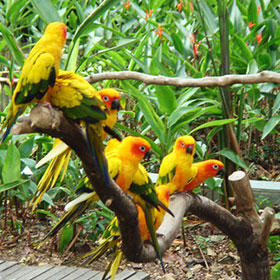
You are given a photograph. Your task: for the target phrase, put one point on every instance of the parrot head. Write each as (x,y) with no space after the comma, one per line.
(135,147)
(214,167)
(111,98)
(57,28)
(185,144)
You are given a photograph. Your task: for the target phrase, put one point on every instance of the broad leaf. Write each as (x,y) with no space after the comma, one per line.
(12,185)
(11,167)
(231,155)
(14,49)
(166,98)
(46,10)
(213,123)
(270,125)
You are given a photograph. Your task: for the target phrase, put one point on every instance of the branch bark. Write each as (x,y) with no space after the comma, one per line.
(262,77)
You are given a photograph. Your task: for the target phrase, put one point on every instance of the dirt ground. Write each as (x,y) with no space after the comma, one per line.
(207,254)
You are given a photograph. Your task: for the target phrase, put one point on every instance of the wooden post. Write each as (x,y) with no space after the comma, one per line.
(252,249)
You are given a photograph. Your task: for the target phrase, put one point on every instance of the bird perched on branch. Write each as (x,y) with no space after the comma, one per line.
(176,168)
(122,166)
(38,73)
(205,170)
(111,238)
(60,153)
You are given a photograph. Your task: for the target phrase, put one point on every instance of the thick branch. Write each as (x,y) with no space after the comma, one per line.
(263,77)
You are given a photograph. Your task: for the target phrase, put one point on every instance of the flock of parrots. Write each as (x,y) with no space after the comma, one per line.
(41,81)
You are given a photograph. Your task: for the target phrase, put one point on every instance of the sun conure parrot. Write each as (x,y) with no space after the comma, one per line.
(130,152)
(38,73)
(79,101)
(176,168)
(205,170)
(60,153)
(111,238)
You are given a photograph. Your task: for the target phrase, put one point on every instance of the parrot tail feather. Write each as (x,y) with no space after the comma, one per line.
(10,121)
(96,149)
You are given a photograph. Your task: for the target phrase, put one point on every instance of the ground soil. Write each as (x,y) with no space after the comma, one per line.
(206,254)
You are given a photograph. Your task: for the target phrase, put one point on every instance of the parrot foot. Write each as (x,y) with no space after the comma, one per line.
(48,105)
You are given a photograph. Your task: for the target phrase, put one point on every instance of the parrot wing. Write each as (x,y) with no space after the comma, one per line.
(37,76)
(143,190)
(167,169)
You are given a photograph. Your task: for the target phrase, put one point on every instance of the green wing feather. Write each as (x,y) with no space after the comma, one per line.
(143,187)
(150,224)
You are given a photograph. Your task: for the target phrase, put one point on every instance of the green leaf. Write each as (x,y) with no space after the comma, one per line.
(270,125)
(179,113)
(211,20)
(26,147)
(275,272)
(252,67)
(177,41)
(14,10)
(11,185)
(66,237)
(4,61)
(231,155)
(151,116)
(88,25)
(15,50)
(48,213)
(213,123)
(253,12)
(246,53)
(11,167)
(46,10)
(276,105)
(166,98)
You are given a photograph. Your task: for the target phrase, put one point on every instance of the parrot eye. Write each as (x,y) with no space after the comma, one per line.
(215,166)
(105,98)
(183,144)
(142,149)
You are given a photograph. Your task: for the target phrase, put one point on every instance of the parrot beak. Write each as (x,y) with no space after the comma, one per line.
(148,155)
(189,149)
(115,104)
(221,172)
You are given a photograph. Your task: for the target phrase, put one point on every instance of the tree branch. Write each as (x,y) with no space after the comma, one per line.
(263,77)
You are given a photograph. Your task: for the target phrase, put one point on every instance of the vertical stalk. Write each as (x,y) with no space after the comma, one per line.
(240,115)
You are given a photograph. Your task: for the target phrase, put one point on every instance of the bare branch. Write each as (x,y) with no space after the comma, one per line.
(263,77)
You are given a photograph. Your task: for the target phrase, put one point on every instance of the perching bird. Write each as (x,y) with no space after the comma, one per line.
(111,238)
(122,166)
(176,168)
(205,170)
(124,161)
(142,188)
(38,73)
(60,153)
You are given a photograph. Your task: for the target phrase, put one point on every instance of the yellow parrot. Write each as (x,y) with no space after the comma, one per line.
(176,168)
(60,153)
(38,73)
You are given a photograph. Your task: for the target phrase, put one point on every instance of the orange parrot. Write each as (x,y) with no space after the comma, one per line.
(38,73)
(205,170)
